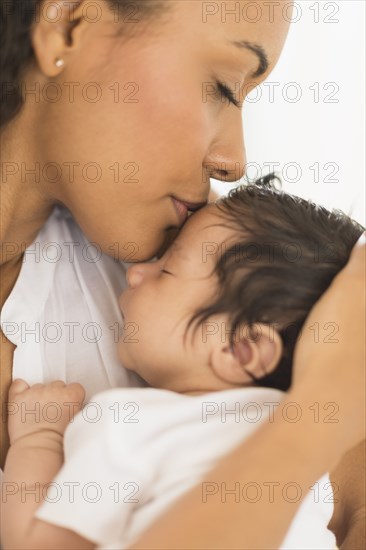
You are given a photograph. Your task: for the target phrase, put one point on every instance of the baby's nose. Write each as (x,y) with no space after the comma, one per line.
(135,275)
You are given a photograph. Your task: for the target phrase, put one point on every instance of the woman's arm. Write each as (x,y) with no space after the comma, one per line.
(278,454)
(284,452)
(349,519)
(6,354)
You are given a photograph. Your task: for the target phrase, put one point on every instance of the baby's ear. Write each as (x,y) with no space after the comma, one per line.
(254,354)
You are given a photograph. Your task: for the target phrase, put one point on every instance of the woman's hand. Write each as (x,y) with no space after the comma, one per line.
(334,363)
(41,407)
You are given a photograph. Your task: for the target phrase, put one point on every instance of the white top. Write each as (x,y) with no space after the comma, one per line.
(132,452)
(62,313)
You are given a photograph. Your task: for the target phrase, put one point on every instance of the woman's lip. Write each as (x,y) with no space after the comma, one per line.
(181,209)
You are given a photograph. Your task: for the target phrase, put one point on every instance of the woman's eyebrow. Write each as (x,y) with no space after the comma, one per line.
(258,51)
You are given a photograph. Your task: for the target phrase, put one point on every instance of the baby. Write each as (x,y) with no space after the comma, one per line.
(211,326)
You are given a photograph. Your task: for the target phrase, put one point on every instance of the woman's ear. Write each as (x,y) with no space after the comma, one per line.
(254,354)
(57,33)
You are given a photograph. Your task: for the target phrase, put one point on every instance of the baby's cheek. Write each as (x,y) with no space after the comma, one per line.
(140,319)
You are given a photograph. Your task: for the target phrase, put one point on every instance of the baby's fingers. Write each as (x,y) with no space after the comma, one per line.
(17,387)
(77,391)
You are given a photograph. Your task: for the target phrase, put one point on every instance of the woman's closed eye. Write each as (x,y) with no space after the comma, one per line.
(166,272)
(228,94)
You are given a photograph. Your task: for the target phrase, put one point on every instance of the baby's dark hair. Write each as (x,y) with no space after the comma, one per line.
(287,253)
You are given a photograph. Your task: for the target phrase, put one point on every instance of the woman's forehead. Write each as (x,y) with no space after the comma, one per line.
(223,24)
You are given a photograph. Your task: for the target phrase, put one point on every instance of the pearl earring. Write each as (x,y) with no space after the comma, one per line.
(59,62)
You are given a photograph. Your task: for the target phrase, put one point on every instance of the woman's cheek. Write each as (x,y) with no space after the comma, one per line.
(171,102)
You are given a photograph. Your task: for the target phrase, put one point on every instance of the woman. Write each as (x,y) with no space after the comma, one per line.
(130,108)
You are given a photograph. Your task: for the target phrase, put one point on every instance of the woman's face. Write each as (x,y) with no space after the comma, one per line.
(160,127)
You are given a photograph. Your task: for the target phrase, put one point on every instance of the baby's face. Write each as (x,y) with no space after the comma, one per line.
(162,297)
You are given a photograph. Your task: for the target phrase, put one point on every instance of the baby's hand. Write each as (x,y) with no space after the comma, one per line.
(42,407)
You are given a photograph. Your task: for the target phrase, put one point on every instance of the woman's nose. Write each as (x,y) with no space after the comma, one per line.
(226,158)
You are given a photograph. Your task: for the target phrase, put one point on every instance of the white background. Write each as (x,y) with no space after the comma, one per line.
(325,47)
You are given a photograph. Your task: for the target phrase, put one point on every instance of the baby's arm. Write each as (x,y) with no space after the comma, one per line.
(34,458)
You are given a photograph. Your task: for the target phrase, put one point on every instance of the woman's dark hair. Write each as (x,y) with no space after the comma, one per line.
(284,254)
(17,18)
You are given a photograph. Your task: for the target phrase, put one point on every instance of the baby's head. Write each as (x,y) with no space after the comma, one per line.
(225,304)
